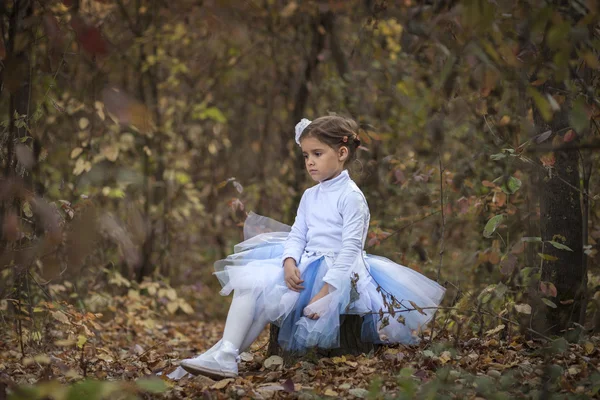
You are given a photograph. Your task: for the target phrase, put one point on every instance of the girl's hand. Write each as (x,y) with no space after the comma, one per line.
(322,293)
(291,275)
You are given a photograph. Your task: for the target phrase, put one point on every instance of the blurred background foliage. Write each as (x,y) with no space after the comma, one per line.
(136,135)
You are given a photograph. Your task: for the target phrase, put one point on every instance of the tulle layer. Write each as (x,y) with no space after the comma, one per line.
(255,269)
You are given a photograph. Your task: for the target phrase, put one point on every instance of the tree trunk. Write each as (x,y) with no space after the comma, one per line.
(561,221)
(350,341)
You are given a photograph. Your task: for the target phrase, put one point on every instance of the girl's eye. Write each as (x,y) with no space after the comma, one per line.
(305,157)
(318,154)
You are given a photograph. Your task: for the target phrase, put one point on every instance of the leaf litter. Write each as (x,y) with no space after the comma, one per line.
(138,341)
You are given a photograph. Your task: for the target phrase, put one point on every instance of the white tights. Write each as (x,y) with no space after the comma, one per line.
(243,324)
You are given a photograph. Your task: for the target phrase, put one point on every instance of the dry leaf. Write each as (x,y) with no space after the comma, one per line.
(222,383)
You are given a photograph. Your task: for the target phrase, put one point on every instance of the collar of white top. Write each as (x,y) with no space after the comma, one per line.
(335,183)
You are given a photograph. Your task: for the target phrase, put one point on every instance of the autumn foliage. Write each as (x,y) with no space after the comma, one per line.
(136,136)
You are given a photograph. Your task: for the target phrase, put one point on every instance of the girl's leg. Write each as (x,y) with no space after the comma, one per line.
(240,318)
(221,360)
(255,329)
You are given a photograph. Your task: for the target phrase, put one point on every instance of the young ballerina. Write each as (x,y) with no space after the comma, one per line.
(302,278)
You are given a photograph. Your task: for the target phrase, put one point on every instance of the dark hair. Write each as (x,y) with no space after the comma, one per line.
(335,131)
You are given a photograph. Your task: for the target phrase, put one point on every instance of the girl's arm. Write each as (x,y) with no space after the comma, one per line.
(296,240)
(355,213)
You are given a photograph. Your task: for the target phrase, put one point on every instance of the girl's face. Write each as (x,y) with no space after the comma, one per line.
(322,161)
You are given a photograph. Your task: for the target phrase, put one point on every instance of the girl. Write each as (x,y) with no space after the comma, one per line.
(303,278)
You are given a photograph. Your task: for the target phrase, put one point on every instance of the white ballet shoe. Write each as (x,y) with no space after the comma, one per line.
(222,363)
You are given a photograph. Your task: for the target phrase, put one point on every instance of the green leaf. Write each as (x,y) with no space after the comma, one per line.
(511,186)
(213,113)
(541,103)
(579,117)
(559,245)
(548,302)
(498,156)
(532,239)
(88,389)
(559,345)
(492,225)
(152,385)
(547,257)
(500,290)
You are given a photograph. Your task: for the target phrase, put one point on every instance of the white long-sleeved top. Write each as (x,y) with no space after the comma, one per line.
(332,221)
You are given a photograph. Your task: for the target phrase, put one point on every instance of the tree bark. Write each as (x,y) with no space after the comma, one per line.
(561,221)
(350,341)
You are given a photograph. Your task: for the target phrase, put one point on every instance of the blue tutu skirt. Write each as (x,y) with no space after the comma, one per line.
(255,269)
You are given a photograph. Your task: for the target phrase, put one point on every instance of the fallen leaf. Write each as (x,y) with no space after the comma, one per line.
(222,383)
(495,330)
(60,317)
(288,386)
(273,362)
(359,392)
(523,308)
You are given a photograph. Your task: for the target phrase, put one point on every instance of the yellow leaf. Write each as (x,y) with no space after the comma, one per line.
(60,317)
(185,307)
(64,342)
(27,361)
(331,393)
(339,360)
(172,307)
(221,384)
(81,340)
(495,330)
(523,308)
(83,123)
(100,110)
(150,323)
(171,294)
(42,359)
(588,347)
(105,357)
(76,152)
(445,357)
(110,152)
(82,166)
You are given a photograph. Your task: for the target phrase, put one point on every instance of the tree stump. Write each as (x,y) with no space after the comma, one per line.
(350,342)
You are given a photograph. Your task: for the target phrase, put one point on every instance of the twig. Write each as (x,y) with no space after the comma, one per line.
(595,144)
(406,226)
(150,348)
(491,314)
(441,236)
(536,165)
(443,218)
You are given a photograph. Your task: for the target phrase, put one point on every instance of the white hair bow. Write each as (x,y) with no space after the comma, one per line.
(300,126)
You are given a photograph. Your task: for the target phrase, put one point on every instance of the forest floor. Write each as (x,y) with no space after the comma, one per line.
(85,355)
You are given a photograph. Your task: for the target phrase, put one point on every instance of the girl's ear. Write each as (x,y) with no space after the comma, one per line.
(343,153)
